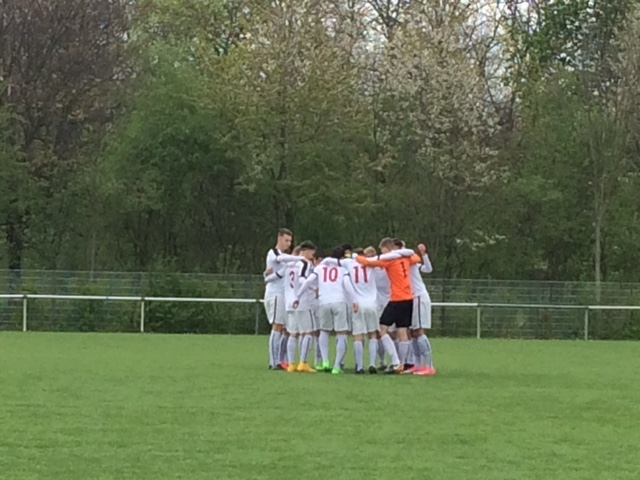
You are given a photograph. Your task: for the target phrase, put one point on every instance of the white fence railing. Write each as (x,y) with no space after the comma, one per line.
(257,302)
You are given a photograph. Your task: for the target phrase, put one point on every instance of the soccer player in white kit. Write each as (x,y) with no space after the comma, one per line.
(274,297)
(421,319)
(382,297)
(361,289)
(333,310)
(300,319)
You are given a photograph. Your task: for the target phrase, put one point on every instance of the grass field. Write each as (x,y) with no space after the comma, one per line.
(101,406)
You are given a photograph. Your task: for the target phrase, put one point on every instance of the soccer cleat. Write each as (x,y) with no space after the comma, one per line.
(373,370)
(279,367)
(284,365)
(410,370)
(394,370)
(425,371)
(291,368)
(336,371)
(318,367)
(305,368)
(382,368)
(360,372)
(326,367)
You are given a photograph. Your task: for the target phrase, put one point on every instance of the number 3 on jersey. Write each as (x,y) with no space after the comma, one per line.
(329,274)
(292,279)
(357,274)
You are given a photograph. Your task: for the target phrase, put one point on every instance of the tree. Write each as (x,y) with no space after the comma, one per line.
(570,48)
(434,121)
(58,61)
(302,114)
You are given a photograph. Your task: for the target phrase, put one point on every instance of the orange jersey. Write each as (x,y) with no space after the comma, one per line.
(398,273)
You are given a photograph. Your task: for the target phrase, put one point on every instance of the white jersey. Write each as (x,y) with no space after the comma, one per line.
(383,288)
(295,275)
(315,301)
(275,287)
(362,289)
(329,279)
(417,284)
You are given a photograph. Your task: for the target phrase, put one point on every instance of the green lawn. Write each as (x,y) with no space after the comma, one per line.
(102,406)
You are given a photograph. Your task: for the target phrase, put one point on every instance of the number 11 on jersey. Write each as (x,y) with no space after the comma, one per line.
(357,274)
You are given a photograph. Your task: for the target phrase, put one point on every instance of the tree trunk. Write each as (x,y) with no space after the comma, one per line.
(15,250)
(15,240)
(597,248)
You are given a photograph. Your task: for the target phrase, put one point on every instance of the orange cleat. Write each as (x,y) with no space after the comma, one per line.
(425,371)
(413,369)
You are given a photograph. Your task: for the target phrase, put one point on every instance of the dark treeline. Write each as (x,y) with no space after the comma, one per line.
(178,135)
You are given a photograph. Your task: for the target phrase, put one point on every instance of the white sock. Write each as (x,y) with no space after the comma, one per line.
(274,347)
(373,351)
(381,352)
(411,359)
(323,340)
(390,349)
(292,343)
(403,352)
(304,347)
(284,340)
(317,355)
(341,350)
(358,351)
(425,350)
(416,352)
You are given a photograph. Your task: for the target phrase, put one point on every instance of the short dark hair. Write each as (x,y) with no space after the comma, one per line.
(358,251)
(346,246)
(320,254)
(398,243)
(284,231)
(337,252)
(307,245)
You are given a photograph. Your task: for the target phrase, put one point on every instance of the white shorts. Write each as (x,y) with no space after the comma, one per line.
(365,320)
(335,316)
(299,321)
(276,313)
(380,309)
(421,312)
(290,320)
(315,315)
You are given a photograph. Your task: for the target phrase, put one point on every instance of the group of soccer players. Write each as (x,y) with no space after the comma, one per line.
(311,294)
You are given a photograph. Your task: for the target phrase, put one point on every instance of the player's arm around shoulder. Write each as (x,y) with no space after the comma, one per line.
(389,256)
(309,282)
(369,261)
(272,276)
(415,258)
(286,258)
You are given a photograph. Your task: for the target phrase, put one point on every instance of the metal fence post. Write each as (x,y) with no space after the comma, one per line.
(142,315)
(257,316)
(586,323)
(24,313)
(478,321)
